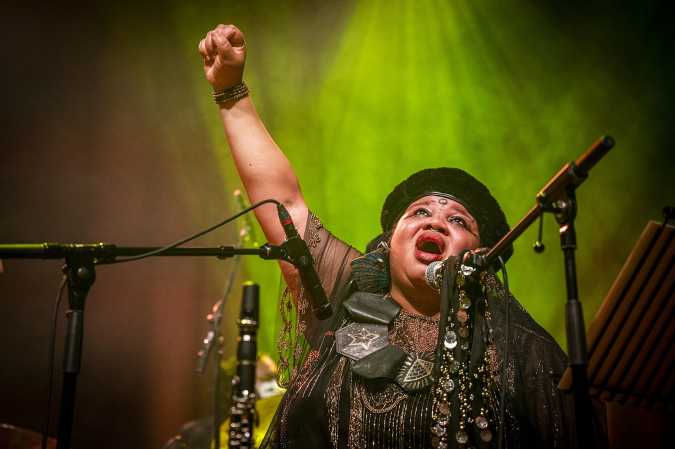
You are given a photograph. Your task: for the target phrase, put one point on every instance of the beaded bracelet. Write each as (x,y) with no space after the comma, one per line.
(234,93)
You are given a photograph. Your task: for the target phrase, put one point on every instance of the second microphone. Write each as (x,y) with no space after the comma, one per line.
(300,256)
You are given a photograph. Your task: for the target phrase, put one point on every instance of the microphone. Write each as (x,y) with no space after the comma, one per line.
(298,252)
(433,275)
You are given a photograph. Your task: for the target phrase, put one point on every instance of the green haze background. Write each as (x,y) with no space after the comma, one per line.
(363,94)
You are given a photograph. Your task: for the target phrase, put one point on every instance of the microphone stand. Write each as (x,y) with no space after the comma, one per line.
(214,337)
(80,261)
(559,197)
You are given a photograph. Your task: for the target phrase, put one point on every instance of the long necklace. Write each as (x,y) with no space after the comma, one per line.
(464,411)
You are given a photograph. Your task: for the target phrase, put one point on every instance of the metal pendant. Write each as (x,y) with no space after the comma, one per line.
(358,340)
(415,373)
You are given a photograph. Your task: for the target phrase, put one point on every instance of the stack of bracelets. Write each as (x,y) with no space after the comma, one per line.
(234,93)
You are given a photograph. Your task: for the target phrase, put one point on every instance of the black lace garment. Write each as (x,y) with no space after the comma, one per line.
(328,406)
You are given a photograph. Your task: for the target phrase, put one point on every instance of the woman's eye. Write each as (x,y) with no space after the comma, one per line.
(458,221)
(423,212)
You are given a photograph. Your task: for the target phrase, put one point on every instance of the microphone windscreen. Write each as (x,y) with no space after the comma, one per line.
(434,274)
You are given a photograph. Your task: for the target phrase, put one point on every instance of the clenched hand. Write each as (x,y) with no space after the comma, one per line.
(224,53)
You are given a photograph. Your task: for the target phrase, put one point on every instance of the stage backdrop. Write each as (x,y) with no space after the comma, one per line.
(110,135)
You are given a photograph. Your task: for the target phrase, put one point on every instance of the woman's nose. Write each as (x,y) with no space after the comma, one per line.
(437,224)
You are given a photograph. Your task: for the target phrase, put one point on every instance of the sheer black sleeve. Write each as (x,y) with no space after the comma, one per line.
(301,330)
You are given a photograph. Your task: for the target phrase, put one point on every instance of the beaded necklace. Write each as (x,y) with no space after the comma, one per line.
(464,398)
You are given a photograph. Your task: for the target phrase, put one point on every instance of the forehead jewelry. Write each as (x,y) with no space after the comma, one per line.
(442,201)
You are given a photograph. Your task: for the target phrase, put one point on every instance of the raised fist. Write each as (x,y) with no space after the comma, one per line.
(224,53)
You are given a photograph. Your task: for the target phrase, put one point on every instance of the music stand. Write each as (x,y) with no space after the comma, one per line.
(631,341)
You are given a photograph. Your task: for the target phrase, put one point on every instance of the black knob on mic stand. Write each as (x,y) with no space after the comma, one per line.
(538,246)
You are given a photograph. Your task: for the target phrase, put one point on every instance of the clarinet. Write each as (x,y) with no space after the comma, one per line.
(242,411)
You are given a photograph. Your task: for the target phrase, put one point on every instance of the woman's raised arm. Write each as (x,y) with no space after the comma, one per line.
(264,169)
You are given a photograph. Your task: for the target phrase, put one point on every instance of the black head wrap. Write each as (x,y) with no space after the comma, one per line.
(452,183)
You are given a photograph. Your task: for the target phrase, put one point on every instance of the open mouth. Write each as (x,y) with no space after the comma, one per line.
(429,247)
